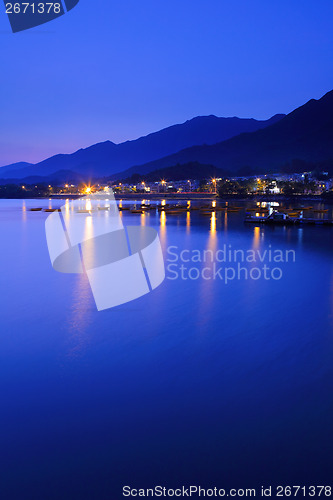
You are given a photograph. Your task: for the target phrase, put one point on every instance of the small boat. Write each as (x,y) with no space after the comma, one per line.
(277,217)
(35,209)
(322,211)
(258,209)
(206,212)
(174,212)
(52,210)
(137,212)
(83,211)
(104,208)
(162,209)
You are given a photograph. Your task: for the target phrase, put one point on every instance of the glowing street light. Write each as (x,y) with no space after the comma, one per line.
(163,183)
(214,184)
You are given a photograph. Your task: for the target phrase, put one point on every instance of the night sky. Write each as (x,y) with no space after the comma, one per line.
(120,69)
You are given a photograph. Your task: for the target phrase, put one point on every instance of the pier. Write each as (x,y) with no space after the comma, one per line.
(290,221)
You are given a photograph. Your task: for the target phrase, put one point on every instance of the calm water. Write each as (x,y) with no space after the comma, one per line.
(199,382)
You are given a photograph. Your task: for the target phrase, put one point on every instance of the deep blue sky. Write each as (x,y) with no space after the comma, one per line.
(120,69)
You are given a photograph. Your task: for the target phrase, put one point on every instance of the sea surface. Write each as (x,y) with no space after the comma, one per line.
(201,382)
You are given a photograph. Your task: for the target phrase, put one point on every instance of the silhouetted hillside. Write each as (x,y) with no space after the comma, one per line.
(108,158)
(306,134)
(192,170)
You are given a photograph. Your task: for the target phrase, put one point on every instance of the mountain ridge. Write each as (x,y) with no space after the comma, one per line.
(107,158)
(304,134)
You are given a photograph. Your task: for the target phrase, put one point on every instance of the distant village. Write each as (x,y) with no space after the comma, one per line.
(297,184)
(306,183)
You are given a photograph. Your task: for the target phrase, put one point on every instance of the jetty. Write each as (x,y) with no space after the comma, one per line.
(280,218)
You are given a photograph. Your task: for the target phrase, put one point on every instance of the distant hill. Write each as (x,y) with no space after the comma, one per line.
(192,170)
(15,166)
(59,177)
(304,135)
(107,158)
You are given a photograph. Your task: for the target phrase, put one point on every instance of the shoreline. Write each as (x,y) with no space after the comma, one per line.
(190,196)
(166,196)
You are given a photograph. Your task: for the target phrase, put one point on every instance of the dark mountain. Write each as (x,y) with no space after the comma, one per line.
(107,158)
(57,178)
(305,135)
(192,170)
(15,166)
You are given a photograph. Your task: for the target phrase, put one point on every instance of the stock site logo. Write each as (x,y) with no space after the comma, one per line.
(122,263)
(24,15)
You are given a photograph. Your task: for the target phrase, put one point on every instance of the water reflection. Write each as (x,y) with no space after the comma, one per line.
(226,222)
(24,211)
(80,318)
(162,232)
(256,237)
(300,235)
(213,223)
(332,301)
(188,222)
(82,305)
(67,207)
(207,286)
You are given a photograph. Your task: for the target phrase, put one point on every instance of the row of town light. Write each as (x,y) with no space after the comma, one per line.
(88,189)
